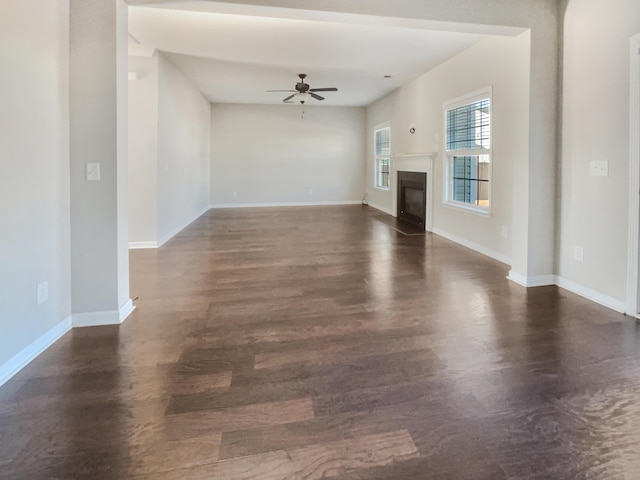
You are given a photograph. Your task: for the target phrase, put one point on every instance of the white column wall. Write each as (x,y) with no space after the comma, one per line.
(98,134)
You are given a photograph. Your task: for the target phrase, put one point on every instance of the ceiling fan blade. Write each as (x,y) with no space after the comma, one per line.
(281,90)
(289,98)
(317,97)
(331,89)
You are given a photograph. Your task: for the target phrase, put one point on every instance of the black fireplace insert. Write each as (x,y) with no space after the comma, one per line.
(412,198)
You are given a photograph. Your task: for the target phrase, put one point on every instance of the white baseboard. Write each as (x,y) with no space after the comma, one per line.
(573,287)
(126,310)
(142,245)
(30,352)
(285,204)
(473,246)
(168,236)
(99,319)
(381,208)
(536,281)
(589,294)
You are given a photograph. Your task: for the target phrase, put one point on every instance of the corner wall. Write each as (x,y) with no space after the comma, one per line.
(169,152)
(269,155)
(143,152)
(34,178)
(184,151)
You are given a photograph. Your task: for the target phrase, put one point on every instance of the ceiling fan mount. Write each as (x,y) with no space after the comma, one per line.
(303,91)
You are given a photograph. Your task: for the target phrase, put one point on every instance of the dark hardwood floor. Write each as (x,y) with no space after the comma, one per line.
(308,343)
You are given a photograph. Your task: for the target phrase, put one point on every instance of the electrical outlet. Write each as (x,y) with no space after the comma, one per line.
(235,193)
(505,231)
(578,253)
(599,168)
(311,191)
(42,292)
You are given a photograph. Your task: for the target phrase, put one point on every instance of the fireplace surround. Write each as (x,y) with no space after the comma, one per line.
(413,162)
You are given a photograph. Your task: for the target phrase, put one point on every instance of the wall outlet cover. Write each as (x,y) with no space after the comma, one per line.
(599,168)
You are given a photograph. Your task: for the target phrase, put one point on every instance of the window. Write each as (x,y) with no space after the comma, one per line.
(468,156)
(382,149)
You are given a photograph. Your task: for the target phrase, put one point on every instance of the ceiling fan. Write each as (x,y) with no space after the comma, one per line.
(302,91)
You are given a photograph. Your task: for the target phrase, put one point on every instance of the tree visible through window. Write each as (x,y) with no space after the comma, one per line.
(468,144)
(382,149)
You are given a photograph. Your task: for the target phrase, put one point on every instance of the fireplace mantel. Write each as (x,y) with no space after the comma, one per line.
(413,162)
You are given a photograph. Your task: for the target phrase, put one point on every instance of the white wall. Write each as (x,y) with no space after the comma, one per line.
(169,150)
(498,62)
(269,154)
(595,126)
(98,134)
(184,151)
(143,151)
(34,171)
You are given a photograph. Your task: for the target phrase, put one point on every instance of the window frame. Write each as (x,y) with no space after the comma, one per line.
(377,158)
(448,200)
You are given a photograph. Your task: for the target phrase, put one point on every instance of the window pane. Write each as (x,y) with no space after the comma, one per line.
(470,179)
(383,141)
(468,127)
(483,167)
(382,177)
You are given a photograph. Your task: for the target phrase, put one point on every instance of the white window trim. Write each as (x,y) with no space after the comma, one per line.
(378,127)
(449,154)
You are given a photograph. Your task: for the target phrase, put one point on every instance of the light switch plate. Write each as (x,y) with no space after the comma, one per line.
(93,172)
(42,293)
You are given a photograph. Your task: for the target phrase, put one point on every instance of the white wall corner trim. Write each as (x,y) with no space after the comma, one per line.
(285,204)
(473,246)
(633,273)
(30,352)
(381,208)
(589,294)
(126,310)
(98,319)
(176,231)
(604,300)
(142,245)
(529,282)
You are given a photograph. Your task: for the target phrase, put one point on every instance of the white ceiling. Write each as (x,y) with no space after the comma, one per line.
(233,53)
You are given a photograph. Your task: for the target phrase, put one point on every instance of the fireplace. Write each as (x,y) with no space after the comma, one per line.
(412,198)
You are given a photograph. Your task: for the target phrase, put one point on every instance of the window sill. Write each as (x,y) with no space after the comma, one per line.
(472,210)
(382,189)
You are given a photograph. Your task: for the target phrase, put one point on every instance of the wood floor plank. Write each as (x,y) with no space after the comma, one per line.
(202,423)
(325,460)
(340,352)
